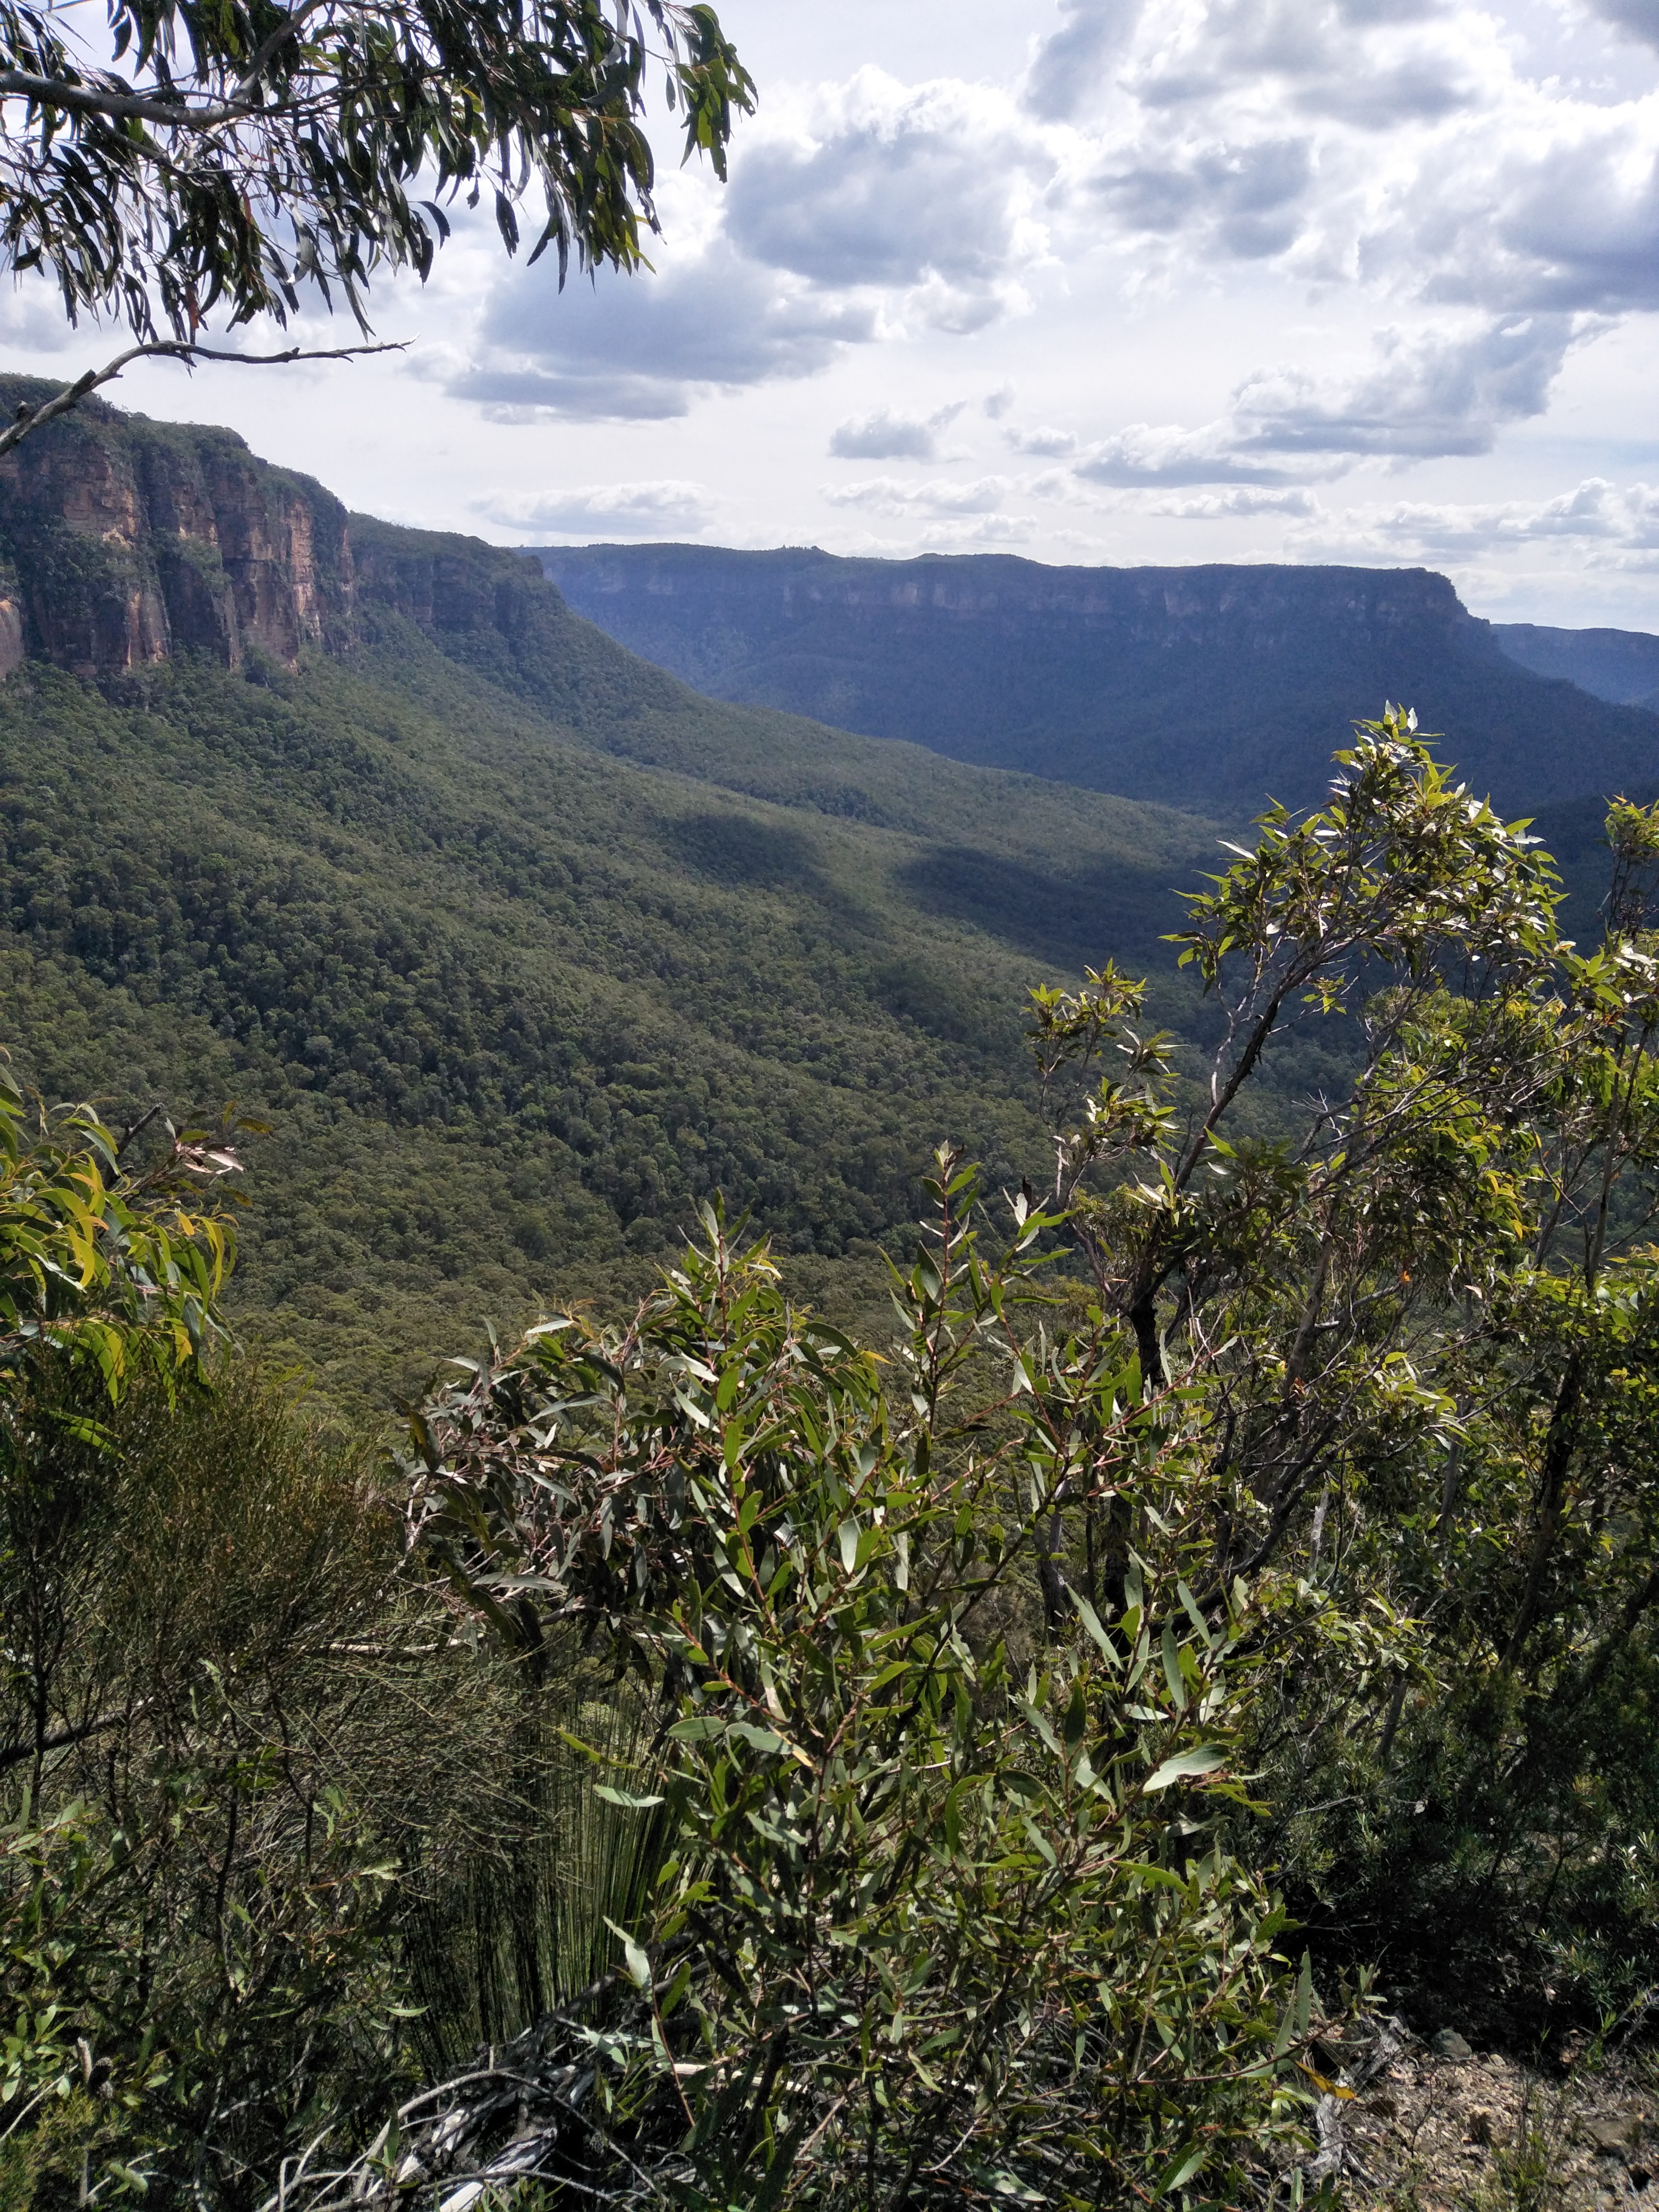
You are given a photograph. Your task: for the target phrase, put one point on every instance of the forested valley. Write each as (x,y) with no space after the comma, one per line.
(520,947)
(744,1469)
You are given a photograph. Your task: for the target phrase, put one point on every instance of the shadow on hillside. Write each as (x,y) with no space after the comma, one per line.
(735,848)
(1119,914)
(742,853)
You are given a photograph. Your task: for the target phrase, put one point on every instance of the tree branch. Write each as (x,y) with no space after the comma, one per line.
(1558,1446)
(119,106)
(35,418)
(171,109)
(265,54)
(16,1754)
(1236,1082)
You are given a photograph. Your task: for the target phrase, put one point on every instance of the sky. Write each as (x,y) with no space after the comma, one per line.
(1373,282)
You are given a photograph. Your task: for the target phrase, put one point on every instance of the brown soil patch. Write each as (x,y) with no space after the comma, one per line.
(1483,2134)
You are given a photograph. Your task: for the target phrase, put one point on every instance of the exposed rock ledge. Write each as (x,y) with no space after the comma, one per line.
(124,541)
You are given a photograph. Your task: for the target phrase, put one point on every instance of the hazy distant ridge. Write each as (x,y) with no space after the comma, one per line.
(1199,687)
(1620,665)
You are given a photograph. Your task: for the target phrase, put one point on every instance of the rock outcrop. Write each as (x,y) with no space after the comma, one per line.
(125,541)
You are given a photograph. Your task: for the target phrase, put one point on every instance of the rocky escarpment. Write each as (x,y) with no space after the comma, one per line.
(123,542)
(1259,606)
(1208,687)
(1621,665)
(718,617)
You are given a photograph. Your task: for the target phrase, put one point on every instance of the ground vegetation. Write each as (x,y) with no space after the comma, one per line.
(1063,1749)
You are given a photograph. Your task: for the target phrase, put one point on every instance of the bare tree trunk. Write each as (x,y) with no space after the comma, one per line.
(1558,1461)
(1391,1726)
(1149,1345)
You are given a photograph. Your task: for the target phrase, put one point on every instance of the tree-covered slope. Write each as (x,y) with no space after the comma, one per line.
(1620,665)
(522,945)
(512,1002)
(1200,687)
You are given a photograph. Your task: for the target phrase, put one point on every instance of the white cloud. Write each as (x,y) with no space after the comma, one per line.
(607,510)
(1243,498)
(1168,453)
(880,210)
(921,189)
(644,348)
(1482,215)
(1397,147)
(1052,444)
(887,436)
(1424,392)
(1602,521)
(981,531)
(893,495)
(1570,222)
(32,318)
(1244,200)
(1638,19)
(1371,66)
(1069,64)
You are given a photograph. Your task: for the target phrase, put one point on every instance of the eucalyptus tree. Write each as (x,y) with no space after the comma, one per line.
(1323,1459)
(942,1906)
(1413,1314)
(235,1762)
(109,1257)
(193,161)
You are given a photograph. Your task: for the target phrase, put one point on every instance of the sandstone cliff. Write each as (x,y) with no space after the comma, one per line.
(1207,687)
(124,541)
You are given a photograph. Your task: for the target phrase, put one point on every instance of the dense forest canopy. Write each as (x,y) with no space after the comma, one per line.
(512,1007)
(521,946)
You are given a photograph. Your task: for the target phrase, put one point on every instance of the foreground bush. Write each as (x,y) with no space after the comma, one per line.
(1351,1416)
(933,1920)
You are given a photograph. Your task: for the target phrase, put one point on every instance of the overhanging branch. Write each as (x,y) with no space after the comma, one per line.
(177,114)
(35,418)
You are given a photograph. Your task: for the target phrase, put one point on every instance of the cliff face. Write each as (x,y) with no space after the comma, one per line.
(1208,687)
(1215,607)
(124,541)
(732,607)
(1620,665)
